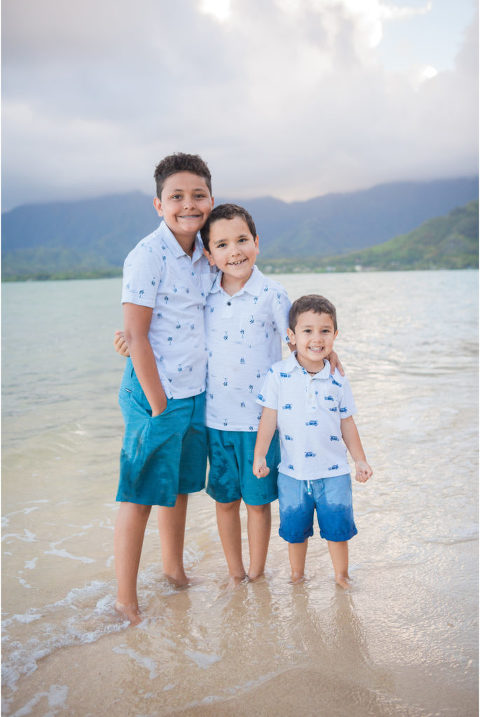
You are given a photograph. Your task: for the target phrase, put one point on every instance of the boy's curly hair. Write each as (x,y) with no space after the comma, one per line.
(226,211)
(311,302)
(181,162)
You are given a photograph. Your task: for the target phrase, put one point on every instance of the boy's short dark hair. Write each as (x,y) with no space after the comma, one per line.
(312,302)
(226,211)
(181,162)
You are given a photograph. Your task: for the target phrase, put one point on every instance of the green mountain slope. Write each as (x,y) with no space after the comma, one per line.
(448,242)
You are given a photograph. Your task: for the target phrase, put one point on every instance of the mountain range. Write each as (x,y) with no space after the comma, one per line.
(91,237)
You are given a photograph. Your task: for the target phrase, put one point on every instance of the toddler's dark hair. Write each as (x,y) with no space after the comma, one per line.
(181,162)
(312,302)
(226,211)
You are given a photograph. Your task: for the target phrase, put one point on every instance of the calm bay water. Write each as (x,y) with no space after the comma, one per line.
(402,642)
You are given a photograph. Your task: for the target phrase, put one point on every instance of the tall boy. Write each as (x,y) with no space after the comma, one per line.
(246,318)
(165,282)
(313,411)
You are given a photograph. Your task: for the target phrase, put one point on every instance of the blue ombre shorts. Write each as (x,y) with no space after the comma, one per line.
(230,477)
(161,456)
(330,497)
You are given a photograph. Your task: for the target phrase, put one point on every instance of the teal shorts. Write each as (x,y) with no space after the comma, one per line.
(163,456)
(231,462)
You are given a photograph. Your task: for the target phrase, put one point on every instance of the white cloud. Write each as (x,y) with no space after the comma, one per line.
(281,97)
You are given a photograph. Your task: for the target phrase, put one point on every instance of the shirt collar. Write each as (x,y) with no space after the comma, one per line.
(253,286)
(292,365)
(175,248)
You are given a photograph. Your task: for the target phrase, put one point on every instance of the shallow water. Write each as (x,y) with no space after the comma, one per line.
(402,642)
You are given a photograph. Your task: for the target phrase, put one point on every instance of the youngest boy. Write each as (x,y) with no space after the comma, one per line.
(313,411)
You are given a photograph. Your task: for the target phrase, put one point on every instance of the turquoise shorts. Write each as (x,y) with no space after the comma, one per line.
(231,462)
(331,498)
(163,456)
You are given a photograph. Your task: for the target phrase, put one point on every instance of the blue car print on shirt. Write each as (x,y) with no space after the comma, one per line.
(335,383)
(313,422)
(310,454)
(287,407)
(288,438)
(291,467)
(334,468)
(343,410)
(328,398)
(242,360)
(333,409)
(334,438)
(260,397)
(285,375)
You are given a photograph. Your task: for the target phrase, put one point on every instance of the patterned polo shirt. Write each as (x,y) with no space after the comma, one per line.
(244,337)
(309,412)
(158,273)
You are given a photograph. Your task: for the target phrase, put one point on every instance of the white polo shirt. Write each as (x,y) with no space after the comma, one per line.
(309,411)
(244,338)
(158,273)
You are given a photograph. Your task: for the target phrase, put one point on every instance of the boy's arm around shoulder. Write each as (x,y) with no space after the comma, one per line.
(137,324)
(352,440)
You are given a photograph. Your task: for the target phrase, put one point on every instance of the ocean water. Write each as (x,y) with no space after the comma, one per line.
(403,641)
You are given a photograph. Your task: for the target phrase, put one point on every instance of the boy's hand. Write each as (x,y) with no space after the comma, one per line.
(362,471)
(335,363)
(260,468)
(120,344)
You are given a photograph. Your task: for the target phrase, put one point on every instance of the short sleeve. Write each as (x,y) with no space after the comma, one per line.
(268,395)
(347,404)
(280,309)
(142,275)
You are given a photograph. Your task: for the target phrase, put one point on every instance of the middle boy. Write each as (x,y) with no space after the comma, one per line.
(246,318)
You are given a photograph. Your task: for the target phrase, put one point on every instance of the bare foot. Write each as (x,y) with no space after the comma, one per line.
(343,581)
(233,581)
(129,612)
(254,578)
(181,581)
(296,579)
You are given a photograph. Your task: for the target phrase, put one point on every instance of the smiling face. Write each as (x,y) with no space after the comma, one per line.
(233,250)
(313,339)
(185,205)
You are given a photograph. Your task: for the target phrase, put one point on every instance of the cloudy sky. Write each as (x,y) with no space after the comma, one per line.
(291,98)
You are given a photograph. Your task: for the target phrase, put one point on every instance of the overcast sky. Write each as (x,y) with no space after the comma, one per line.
(291,98)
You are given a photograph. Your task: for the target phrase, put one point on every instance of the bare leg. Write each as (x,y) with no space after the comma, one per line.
(128,540)
(297,552)
(171,527)
(230,531)
(339,556)
(259,522)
